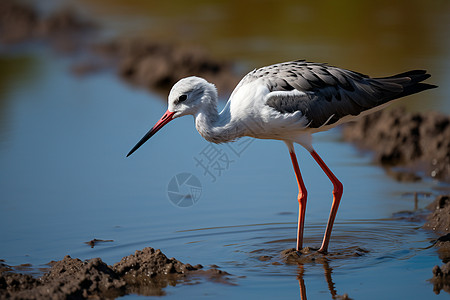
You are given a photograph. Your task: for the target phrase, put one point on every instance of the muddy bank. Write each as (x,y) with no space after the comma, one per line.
(439,219)
(116,52)
(413,141)
(157,66)
(140,61)
(64,29)
(436,218)
(311,255)
(146,272)
(409,144)
(418,143)
(441,278)
(439,222)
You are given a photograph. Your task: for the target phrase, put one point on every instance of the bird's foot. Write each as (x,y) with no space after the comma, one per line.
(308,250)
(305,255)
(322,251)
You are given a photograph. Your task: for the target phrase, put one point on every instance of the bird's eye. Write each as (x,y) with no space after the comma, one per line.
(182,98)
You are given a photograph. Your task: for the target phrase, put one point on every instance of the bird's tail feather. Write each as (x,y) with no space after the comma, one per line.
(411,82)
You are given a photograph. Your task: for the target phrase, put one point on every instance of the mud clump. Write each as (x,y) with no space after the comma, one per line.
(441,278)
(156,65)
(309,255)
(146,272)
(443,245)
(265,257)
(439,222)
(13,284)
(140,61)
(439,219)
(75,278)
(17,22)
(94,242)
(20,22)
(68,278)
(414,141)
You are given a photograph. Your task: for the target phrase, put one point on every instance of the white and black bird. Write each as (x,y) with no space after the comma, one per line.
(288,102)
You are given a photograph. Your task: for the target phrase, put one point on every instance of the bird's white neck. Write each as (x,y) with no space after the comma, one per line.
(215,127)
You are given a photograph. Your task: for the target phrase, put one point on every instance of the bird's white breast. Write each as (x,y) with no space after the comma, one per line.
(248,108)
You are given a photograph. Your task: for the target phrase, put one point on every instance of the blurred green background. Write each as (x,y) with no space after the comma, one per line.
(373,37)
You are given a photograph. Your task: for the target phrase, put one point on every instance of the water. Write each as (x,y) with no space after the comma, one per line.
(65,180)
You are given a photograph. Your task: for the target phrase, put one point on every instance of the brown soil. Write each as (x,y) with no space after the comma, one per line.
(146,272)
(155,65)
(21,23)
(439,222)
(94,242)
(439,219)
(140,61)
(308,255)
(441,278)
(413,141)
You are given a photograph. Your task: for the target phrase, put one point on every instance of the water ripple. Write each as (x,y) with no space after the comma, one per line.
(376,240)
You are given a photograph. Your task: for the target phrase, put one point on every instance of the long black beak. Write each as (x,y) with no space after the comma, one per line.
(166,118)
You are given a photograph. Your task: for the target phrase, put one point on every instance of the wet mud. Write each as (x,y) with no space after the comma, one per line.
(410,145)
(94,242)
(439,222)
(441,278)
(146,272)
(407,143)
(310,255)
(63,29)
(146,63)
(139,60)
(439,219)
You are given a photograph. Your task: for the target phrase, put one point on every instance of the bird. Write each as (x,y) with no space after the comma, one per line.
(289,102)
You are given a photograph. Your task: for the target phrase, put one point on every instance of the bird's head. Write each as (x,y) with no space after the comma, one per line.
(187,97)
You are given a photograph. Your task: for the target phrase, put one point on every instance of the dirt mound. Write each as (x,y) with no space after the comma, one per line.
(439,220)
(308,255)
(146,272)
(67,278)
(140,61)
(17,21)
(441,278)
(150,64)
(20,22)
(414,141)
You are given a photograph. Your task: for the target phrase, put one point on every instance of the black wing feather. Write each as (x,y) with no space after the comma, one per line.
(332,93)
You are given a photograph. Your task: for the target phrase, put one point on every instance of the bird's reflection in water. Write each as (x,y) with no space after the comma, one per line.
(327,271)
(301,281)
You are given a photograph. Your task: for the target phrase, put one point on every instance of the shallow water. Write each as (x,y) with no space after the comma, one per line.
(65,180)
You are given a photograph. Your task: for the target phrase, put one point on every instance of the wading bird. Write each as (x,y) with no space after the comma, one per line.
(288,102)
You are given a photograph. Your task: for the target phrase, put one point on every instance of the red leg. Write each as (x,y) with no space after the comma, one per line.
(337,194)
(302,194)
